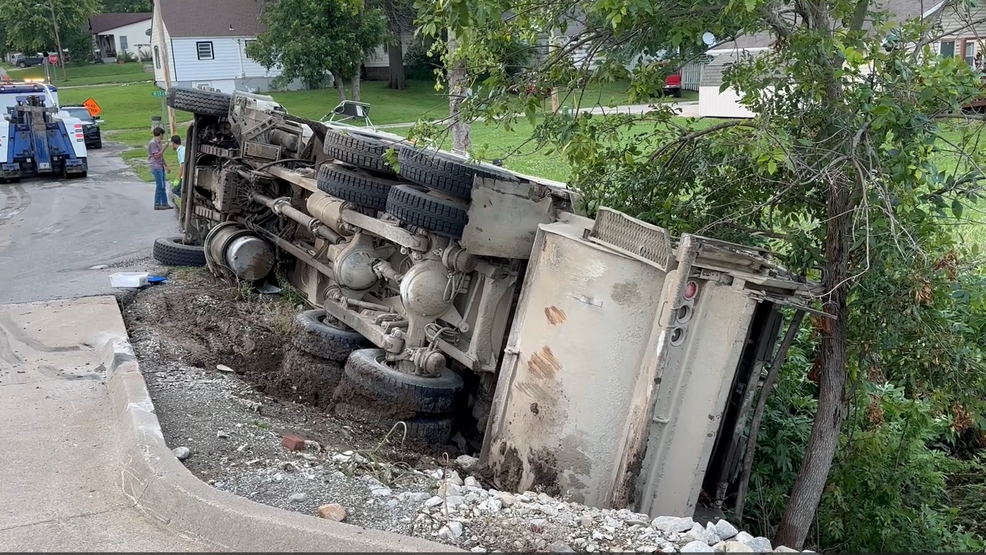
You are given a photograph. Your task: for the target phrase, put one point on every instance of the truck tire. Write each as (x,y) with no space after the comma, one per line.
(413,205)
(444,172)
(326,338)
(367,370)
(358,150)
(206,103)
(430,429)
(354,186)
(170,251)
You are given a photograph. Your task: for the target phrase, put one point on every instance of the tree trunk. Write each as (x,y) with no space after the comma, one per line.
(768,385)
(395,59)
(824,441)
(340,85)
(356,87)
(461,135)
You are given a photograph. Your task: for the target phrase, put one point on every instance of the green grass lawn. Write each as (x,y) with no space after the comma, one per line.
(85,75)
(421,100)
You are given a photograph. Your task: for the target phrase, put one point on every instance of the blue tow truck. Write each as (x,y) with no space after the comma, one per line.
(37,138)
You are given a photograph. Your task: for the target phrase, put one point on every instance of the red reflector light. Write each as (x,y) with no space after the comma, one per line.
(690,289)
(78,126)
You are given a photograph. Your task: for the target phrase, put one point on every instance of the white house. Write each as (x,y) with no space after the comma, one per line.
(115,33)
(957,30)
(205,41)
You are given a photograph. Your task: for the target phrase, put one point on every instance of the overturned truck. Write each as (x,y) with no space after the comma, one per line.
(594,358)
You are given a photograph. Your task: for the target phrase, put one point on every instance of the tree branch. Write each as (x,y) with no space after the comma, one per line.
(700,133)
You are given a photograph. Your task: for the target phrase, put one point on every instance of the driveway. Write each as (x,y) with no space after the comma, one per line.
(62,238)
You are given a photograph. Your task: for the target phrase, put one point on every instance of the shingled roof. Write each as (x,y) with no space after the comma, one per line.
(212,18)
(103,22)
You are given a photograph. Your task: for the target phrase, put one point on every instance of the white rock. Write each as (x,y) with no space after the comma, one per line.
(470,482)
(671,524)
(381,492)
(697,547)
(744,537)
(451,531)
(548,510)
(719,547)
(393,503)
(585,521)
(560,547)
(182,453)
(341,457)
(647,549)
(785,549)
(298,497)
(472,497)
(508,499)
(760,544)
(222,434)
(433,501)
(733,546)
(455,500)
(467,463)
(413,496)
(453,477)
(713,534)
(698,534)
(494,505)
(478,549)
(669,548)
(448,488)
(725,530)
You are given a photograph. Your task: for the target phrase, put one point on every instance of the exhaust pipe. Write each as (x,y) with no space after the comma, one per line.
(240,251)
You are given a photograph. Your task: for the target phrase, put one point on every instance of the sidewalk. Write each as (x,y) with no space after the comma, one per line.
(59,452)
(686,109)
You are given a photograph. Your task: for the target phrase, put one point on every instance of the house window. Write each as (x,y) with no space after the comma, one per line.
(947,49)
(969,52)
(204,50)
(157,57)
(246,45)
(123,43)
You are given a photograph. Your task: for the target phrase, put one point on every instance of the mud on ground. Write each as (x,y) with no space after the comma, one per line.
(233,422)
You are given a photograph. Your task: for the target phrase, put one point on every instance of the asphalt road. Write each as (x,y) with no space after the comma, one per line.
(63,238)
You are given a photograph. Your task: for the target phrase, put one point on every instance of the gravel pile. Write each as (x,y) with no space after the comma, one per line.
(439,504)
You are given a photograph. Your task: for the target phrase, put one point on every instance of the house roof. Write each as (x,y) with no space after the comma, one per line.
(212,18)
(900,11)
(107,21)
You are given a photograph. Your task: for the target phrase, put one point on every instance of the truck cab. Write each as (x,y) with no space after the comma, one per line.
(37,138)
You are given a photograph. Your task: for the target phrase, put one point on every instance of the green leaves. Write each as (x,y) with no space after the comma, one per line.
(30,28)
(310,38)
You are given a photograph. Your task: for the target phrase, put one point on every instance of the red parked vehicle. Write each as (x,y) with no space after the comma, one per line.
(672,85)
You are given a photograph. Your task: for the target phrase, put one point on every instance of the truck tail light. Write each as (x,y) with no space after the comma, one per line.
(691,288)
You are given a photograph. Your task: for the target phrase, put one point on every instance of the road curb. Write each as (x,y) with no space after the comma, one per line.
(165,491)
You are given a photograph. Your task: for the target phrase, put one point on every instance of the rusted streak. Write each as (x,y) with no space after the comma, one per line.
(555,315)
(543,364)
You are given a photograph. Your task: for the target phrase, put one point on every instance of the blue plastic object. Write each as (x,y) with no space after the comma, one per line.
(156,279)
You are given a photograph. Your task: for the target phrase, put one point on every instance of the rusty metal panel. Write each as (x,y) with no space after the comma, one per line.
(571,368)
(504,218)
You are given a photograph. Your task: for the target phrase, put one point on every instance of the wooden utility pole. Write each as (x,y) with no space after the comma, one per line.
(164,57)
(58,40)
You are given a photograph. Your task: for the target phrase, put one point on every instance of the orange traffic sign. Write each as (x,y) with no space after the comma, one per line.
(94,109)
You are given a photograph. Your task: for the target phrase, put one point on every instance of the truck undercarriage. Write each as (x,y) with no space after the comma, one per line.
(456,292)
